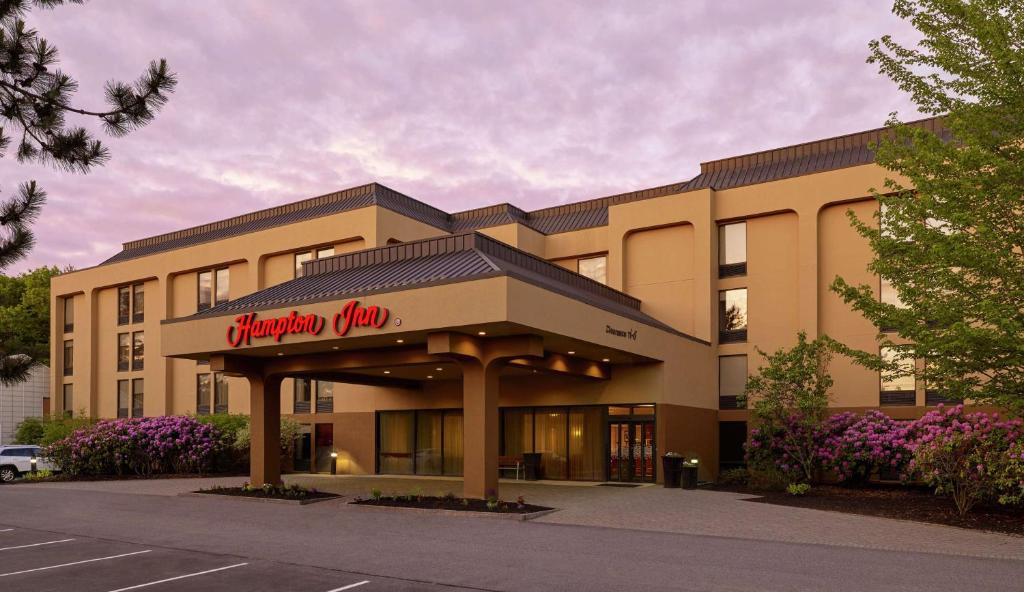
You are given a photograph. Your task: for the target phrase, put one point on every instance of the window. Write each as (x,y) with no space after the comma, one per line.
(324,396)
(887,294)
(305,256)
(124,352)
(420,442)
(69,357)
(69,314)
(223,286)
(68,399)
(202,394)
(732,249)
(732,315)
(123,398)
(137,390)
(301,258)
(934,394)
(732,380)
(138,350)
(303,395)
(124,305)
(897,389)
(205,295)
(138,303)
(220,393)
(595,268)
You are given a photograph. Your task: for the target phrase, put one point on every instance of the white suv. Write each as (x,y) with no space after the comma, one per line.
(16,459)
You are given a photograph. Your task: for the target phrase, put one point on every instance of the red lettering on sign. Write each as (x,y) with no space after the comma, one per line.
(247,327)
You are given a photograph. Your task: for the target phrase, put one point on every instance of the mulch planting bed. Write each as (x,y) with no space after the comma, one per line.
(262,494)
(895,501)
(426,502)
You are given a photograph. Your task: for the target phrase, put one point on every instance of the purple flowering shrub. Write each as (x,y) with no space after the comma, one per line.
(855,447)
(966,455)
(791,447)
(141,446)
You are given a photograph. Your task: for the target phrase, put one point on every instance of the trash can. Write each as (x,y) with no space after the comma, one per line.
(671,468)
(531,466)
(689,476)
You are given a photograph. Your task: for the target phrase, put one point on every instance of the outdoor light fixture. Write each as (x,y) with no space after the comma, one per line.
(280,353)
(481,332)
(605,360)
(335,347)
(430,375)
(387,372)
(399,341)
(439,369)
(572,353)
(33,461)
(334,463)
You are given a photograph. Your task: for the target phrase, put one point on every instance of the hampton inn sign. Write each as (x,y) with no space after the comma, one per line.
(247,327)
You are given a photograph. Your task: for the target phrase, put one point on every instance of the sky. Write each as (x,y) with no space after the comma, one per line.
(458,104)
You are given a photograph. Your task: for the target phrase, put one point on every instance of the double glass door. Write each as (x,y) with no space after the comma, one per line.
(631,453)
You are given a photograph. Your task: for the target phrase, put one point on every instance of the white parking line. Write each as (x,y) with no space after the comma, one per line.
(198,573)
(350,586)
(36,545)
(14,573)
(6,529)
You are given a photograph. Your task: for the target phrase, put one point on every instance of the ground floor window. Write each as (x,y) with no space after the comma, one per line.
(425,442)
(732,435)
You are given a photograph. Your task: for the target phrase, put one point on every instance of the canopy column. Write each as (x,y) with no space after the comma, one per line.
(265,430)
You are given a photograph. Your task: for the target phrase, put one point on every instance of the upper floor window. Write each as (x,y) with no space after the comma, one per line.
(69,357)
(324,396)
(595,268)
(303,395)
(123,398)
(305,256)
(137,398)
(889,295)
(214,287)
(138,303)
(124,352)
(124,305)
(220,393)
(732,315)
(898,388)
(138,350)
(732,249)
(69,314)
(203,394)
(301,258)
(732,380)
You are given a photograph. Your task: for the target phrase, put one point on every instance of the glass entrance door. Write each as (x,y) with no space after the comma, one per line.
(631,451)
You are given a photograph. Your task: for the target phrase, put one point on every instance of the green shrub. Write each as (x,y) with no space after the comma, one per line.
(734,477)
(29,431)
(767,479)
(798,489)
(37,476)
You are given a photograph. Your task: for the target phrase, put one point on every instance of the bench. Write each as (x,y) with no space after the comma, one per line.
(511,463)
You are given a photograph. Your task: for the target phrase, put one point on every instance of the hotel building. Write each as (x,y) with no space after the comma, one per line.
(408,340)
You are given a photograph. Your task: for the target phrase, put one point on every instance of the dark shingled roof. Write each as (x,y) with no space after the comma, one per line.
(445,259)
(760,167)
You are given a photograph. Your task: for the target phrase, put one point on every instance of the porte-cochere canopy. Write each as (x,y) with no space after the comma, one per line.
(469,302)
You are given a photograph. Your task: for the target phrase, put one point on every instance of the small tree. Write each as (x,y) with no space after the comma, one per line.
(789,400)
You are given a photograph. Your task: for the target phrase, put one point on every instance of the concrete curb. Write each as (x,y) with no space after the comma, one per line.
(462,513)
(266,500)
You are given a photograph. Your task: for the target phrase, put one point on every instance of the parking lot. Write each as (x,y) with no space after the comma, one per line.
(41,561)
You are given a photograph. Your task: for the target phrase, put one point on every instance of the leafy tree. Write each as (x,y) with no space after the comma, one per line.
(25,313)
(794,380)
(35,100)
(790,395)
(951,237)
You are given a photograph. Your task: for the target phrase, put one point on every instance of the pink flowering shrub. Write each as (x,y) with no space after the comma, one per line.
(1011,478)
(143,446)
(856,447)
(792,447)
(965,455)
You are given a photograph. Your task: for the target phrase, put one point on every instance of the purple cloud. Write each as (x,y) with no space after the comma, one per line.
(460,104)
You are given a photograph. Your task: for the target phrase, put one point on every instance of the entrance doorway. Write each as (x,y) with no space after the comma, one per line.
(302,459)
(631,451)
